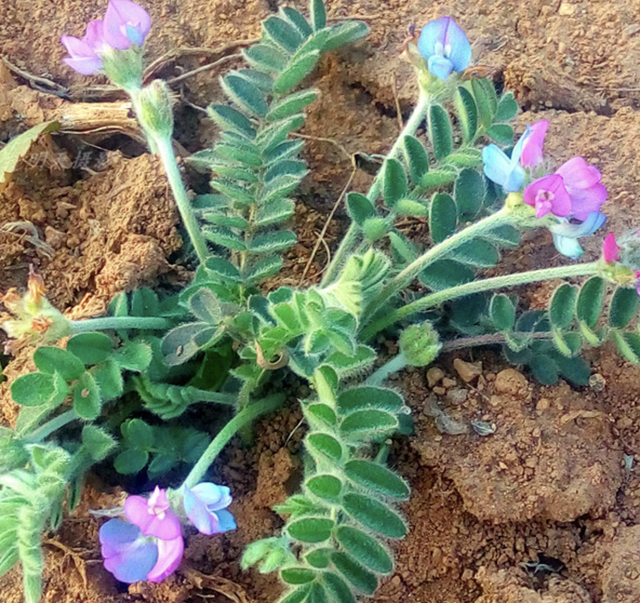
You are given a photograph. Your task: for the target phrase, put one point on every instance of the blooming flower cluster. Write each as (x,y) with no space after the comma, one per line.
(149,544)
(573,194)
(125,24)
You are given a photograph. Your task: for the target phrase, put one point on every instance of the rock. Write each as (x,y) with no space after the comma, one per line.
(467,371)
(448,383)
(434,376)
(566,9)
(509,381)
(441,391)
(456,396)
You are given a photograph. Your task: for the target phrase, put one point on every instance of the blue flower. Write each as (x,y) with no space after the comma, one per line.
(205,505)
(445,47)
(566,233)
(503,170)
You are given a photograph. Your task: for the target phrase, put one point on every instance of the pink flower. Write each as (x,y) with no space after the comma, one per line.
(84,57)
(611,249)
(582,182)
(548,194)
(532,149)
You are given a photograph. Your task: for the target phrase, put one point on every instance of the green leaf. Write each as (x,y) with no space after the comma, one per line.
(144,302)
(486,100)
(503,312)
(576,370)
(362,398)
(297,575)
(298,21)
(278,131)
(416,158)
(438,178)
(443,217)
(325,445)
(280,187)
(507,107)
(446,273)
(97,442)
(262,269)
(299,68)
(91,348)
(394,182)
(297,595)
(563,305)
(377,478)
(589,304)
(365,423)
(262,81)
(248,155)
(34,389)
(272,242)
(469,192)
(138,434)
(478,253)
(205,306)
(291,104)
(374,515)
(623,307)
(318,15)
(131,461)
(404,248)
(109,379)
(323,413)
(51,360)
(275,212)
(366,549)
(245,94)
(568,344)
(282,33)
(344,364)
(358,576)
(311,529)
(345,33)
(181,342)
(360,208)
(229,118)
(628,343)
(327,487)
(19,146)
(409,207)
(224,237)
(284,150)
(86,397)
(134,356)
(338,588)
(266,58)
(467,113)
(237,192)
(223,269)
(501,133)
(464,158)
(504,236)
(440,131)
(375,228)
(544,369)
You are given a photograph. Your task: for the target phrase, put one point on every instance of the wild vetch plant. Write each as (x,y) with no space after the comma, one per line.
(114,387)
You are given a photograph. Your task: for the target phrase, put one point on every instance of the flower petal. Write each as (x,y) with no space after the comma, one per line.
(169,559)
(125,23)
(586,201)
(94,35)
(532,146)
(439,66)
(499,168)
(568,246)
(577,173)
(548,194)
(214,496)
(204,520)
(78,48)
(456,46)
(611,249)
(432,33)
(226,521)
(166,527)
(127,555)
(84,66)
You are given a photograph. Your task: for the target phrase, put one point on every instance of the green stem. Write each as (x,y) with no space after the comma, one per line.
(142,323)
(397,363)
(479,286)
(168,157)
(351,235)
(403,278)
(242,419)
(215,397)
(51,426)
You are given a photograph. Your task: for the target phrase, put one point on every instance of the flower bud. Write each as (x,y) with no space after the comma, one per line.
(154,110)
(420,344)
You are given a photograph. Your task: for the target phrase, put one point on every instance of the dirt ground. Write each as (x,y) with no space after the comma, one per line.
(544,510)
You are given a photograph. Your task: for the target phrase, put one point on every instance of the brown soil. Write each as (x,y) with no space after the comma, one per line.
(544,510)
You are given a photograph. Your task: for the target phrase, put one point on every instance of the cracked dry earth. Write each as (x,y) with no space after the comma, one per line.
(545,510)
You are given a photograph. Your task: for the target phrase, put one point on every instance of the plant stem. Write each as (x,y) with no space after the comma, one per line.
(463,343)
(403,278)
(168,157)
(351,235)
(489,284)
(141,323)
(242,419)
(51,426)
(397,363)
(215,397)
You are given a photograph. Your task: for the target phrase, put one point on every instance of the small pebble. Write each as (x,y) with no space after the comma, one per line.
(467,371)
(456,396)
(448,383)
(440,391)
(434,376)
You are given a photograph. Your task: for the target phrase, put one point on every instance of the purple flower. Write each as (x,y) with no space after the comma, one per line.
(582,182)
(205,505)
(532,149)
(611,249)
(445,47)
(125,24)
(148,546)
(567,232)
(548,194)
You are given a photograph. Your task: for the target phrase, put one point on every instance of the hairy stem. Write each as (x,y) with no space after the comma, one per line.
(168,157)
(242,419)
(51,426)
(347,243)
(479,286)
(397,363)
(142,323)
(463,343)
